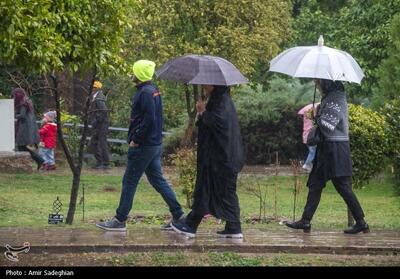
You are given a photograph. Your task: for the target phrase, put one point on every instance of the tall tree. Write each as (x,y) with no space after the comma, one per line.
(360,28)
(389,70)
(56,38)
(363,30)
(246,32)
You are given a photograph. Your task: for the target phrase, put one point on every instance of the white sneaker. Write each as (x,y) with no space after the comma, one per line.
(307,167)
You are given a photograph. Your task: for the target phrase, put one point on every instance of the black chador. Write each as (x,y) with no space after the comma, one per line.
(219,159)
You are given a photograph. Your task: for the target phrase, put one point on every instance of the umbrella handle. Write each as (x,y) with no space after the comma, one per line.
(201,96)
(313,103)
(315,91)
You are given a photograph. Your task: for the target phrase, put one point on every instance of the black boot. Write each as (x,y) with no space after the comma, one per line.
(302,224)
(357,228)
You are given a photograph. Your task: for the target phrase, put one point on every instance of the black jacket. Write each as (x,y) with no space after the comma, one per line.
(146,116)
(99,111)
(332,117)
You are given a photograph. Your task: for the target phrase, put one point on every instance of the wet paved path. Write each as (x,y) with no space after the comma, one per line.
(66,240)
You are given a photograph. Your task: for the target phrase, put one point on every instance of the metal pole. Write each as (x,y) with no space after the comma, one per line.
(83,202)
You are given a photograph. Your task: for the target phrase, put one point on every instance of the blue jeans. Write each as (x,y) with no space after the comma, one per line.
(145,159)
(311,154)
(48,155)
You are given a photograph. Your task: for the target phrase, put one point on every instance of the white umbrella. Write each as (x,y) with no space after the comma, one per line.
(318,62)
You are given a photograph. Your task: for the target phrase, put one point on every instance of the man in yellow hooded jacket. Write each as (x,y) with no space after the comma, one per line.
(144,154)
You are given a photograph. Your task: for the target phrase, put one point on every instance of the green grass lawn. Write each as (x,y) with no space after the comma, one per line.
(187,258)
(26,200)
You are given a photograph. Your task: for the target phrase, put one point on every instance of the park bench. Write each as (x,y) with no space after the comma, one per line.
(110,129)
(88,156)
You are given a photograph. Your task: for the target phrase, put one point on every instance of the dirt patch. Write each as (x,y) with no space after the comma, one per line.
(110,189)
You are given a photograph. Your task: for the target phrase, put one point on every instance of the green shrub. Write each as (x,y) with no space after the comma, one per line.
(267,128)
(392,115)
(73,132)
(269,121)
(368,143)
(185,161)
(389,87)
(171,143)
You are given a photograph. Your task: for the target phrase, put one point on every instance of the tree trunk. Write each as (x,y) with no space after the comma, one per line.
(75,165)
(78,169)
(74,196)
(189,136)
(60,133)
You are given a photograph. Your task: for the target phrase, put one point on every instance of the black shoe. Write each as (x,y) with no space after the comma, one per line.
(300,225)
(168,226)
(357,228)
(183,228)
(112,225)
(230,234)
(41,166)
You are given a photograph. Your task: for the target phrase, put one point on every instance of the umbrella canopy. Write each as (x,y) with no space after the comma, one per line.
(201,69)
(318,62)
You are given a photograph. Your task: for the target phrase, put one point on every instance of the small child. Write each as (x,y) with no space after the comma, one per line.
(48,140)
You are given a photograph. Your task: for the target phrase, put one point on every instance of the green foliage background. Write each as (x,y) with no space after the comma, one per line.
(43,37)
(368,143)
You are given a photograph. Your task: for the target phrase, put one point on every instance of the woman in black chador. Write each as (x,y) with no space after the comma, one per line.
(219,160)
(332,160)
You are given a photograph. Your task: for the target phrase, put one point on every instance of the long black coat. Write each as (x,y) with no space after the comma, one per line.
(99,119)
(219,158)
(26,128)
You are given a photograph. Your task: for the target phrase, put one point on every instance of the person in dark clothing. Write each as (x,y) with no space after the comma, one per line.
(145,146)
(26,128)
(219,160)
(99,120)
(332,160)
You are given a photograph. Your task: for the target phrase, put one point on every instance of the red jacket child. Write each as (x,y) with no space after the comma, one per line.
(48,132)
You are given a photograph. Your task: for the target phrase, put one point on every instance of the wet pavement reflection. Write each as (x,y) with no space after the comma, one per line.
(254,240)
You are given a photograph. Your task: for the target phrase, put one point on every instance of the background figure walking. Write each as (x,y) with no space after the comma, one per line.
(26,128)
(99,120)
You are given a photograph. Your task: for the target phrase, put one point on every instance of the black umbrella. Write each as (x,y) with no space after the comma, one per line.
(201,69)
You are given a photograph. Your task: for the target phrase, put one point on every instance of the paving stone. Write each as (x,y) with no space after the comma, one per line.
(63,240)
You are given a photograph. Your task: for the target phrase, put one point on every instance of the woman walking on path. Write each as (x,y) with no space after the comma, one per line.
(26,128)
(332,160)
(219,160)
